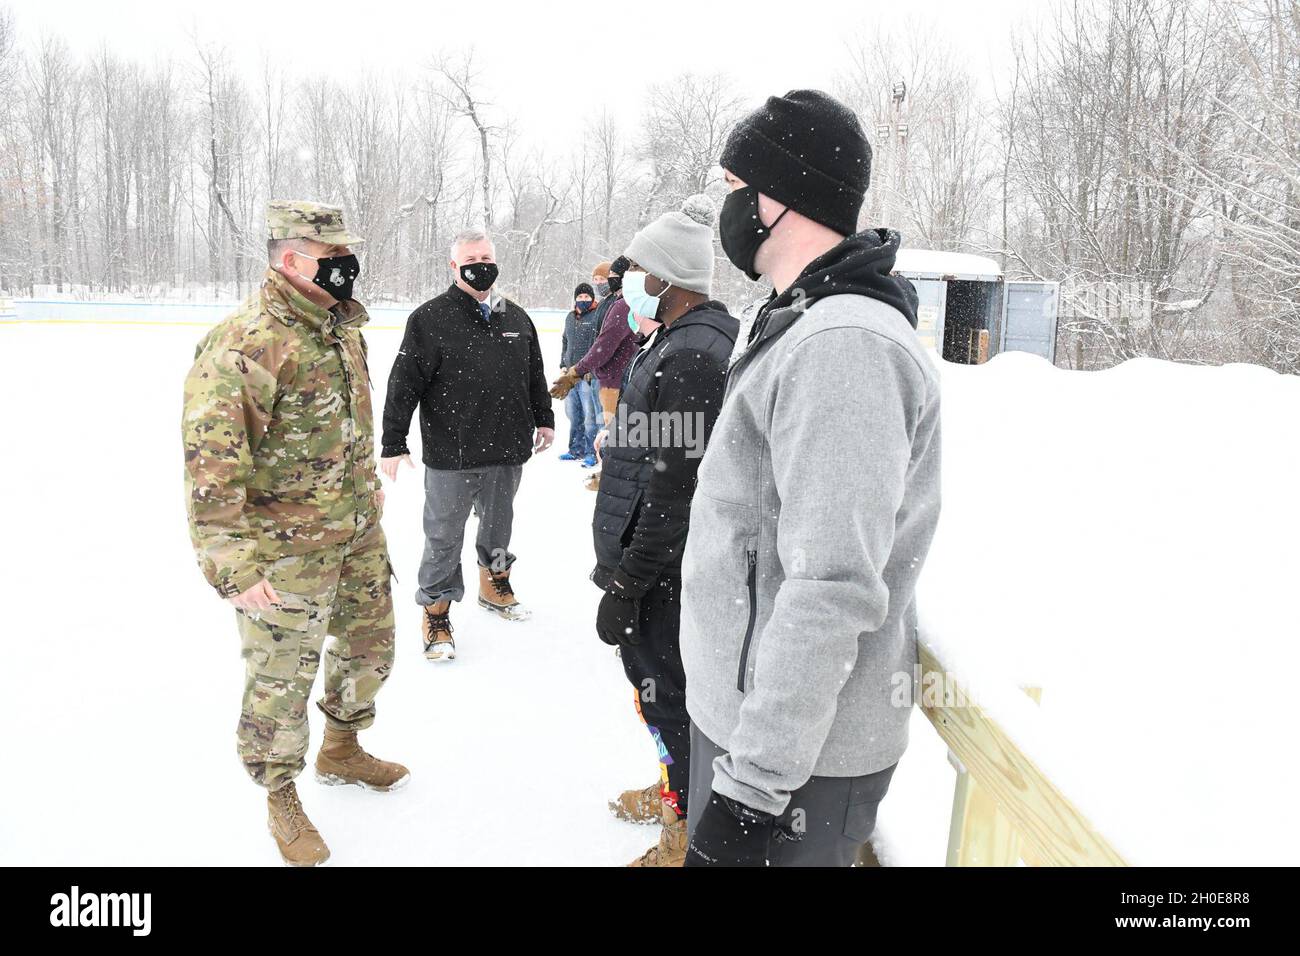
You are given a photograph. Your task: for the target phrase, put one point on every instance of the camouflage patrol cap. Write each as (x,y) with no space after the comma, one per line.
(297,219)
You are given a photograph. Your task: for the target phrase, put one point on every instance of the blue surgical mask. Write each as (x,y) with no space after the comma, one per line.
(639,302)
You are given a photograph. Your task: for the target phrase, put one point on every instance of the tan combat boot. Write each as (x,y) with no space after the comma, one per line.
(342,761)
(496,594)
(436,627)
(671,848)
(300,843)
(639,806)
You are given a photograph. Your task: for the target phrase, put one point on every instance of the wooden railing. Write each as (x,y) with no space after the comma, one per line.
(1005,808)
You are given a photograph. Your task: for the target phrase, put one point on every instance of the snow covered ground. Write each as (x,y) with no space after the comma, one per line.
(1136,558)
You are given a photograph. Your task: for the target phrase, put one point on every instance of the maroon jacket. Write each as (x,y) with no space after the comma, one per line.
(613,349)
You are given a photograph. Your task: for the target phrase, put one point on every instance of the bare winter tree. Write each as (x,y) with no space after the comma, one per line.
(614,163)
(1143,152)
(687,122)
(9,222)
(226,120)
(274,126)
(53,115)
(1250,184)
(460,90)
(934,150)
(1116,105)
(433,188)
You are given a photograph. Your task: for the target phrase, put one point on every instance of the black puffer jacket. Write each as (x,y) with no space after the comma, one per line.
(665,414)
(479,383)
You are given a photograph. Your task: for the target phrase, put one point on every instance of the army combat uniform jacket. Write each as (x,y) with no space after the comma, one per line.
(279,435)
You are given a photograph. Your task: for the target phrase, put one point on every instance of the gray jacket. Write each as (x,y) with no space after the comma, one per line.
(816,504)
(579,334)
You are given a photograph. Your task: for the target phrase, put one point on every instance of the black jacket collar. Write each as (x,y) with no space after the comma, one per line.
(711,313)
(456,291)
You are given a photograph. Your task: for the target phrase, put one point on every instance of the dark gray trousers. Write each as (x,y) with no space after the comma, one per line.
(834,814)
(449,496)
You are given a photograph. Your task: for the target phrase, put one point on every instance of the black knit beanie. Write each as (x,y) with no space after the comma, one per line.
(619,266)
(807,151)
(584,288)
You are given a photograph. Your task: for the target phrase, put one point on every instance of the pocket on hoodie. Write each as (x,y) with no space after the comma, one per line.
(720,577)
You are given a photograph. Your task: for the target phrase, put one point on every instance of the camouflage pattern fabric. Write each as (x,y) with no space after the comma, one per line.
(295,219)
(278,429)
(342,591)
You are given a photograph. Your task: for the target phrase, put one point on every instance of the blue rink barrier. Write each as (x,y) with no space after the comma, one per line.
(198,313)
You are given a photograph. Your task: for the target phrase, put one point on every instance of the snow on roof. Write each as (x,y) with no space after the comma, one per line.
(933,263)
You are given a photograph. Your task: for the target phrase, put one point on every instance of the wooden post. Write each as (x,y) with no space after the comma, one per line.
(979,834)
(1050,828)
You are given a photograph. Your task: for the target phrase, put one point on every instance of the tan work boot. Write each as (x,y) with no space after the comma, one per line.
(496,594)
(300,843)
(593,481)
(342,761)
(639,806)
(436,628)
(671,848)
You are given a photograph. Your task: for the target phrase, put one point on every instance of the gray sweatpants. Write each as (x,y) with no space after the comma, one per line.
(449,496)
(835,814)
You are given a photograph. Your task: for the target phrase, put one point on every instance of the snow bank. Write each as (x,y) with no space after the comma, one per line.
(1129,540)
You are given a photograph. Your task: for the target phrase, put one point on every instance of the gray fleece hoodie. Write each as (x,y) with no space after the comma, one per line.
(816,504)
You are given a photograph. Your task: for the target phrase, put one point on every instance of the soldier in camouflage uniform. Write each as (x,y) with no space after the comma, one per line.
(284,507)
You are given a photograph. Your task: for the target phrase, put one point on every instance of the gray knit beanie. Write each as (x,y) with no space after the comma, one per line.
(678,246)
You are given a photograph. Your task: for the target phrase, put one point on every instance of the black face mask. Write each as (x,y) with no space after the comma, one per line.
(336,274)
(479,276)
(582,306)
(741,230)
(615,283)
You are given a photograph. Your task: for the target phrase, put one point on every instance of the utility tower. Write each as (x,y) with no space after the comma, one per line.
(891,134)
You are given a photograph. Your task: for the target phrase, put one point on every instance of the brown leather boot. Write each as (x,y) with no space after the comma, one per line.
(639,806)
(671,848)
(343,761)
(300,843)
(496,594)
(436,628)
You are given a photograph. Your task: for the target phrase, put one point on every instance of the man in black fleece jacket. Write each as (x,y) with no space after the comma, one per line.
(656,440)
(472,363)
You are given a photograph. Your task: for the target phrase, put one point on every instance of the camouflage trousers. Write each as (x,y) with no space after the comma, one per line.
(341,592)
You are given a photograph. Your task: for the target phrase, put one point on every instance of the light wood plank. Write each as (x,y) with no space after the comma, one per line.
(1052,829)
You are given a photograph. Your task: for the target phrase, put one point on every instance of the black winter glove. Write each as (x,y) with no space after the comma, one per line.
(729,833)
(618,619)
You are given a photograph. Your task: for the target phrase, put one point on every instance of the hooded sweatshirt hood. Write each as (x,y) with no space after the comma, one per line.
(860,265)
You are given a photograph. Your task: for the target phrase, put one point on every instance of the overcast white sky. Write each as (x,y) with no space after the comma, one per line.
(546,62)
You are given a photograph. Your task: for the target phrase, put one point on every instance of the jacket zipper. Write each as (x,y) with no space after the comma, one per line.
(751,582)
(761,323)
